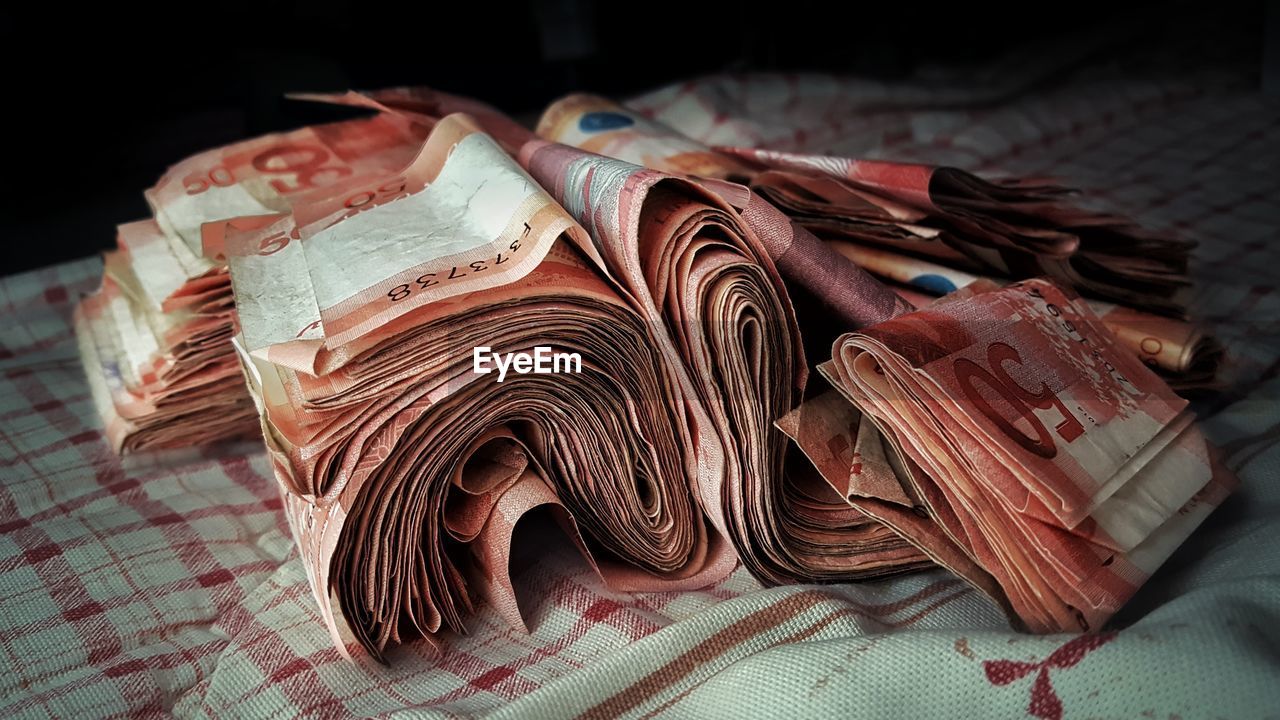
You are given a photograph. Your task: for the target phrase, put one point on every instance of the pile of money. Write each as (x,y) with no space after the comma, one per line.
(155,342)
(658,344)
(155,338)
(1055,471)
(443,321)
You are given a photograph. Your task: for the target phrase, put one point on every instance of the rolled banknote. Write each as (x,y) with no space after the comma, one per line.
(1175,346)
(1045,455)
(1019,228)
(657,239)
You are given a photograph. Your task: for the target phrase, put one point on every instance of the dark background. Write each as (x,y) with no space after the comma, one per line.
(98,105)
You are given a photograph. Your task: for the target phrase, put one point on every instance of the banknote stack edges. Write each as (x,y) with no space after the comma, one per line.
(1005,431)
(1056,470)
(1180,352)
(155,338)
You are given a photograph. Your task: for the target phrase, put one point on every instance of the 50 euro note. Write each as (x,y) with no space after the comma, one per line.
(1056,471)
(405,469)
(1019,228)
(156,334)
(267,174)
(716,306)
(1181,352)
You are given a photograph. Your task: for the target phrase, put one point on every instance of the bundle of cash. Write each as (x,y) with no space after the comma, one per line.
(155,339)
(1045,463)
(441,321)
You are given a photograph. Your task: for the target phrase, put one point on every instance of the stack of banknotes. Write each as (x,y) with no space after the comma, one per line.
(445,321)
(154,341)
(1055,471)
(156,335)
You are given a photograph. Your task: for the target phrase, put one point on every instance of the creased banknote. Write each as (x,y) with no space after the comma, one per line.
(1018,227)
(1044,454)
(155,338)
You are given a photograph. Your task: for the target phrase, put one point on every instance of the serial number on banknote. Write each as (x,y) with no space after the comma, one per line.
(456,272)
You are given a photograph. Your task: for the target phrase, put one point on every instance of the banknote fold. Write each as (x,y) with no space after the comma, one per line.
(1048,460)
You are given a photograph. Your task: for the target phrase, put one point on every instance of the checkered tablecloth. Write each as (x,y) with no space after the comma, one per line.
(169,584)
